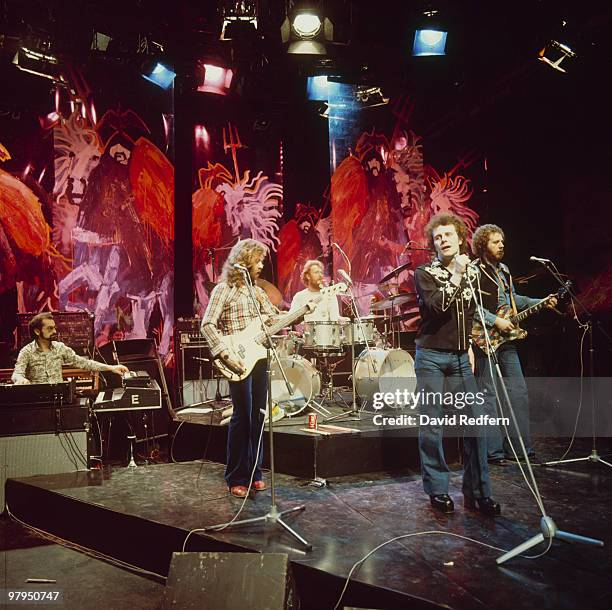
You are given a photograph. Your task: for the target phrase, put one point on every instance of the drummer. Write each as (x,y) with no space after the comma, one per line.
(327,309)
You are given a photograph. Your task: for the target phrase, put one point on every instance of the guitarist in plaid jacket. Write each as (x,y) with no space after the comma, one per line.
(497,292)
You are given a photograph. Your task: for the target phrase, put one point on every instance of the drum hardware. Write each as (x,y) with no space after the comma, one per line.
(328,389)
(360,331)
(305,383)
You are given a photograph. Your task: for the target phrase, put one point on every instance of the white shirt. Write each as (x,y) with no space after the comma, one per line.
(327,309)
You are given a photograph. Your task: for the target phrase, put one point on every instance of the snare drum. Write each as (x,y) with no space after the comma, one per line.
(384,370)
(305,382)
(323,336)
(361,333)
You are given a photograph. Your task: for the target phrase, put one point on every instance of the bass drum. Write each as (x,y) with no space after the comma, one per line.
(305,382)
(384,370)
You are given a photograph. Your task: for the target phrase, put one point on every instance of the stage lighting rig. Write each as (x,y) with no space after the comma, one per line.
(35,55)
(158,74)
(214,78)
(239,19)
(556,48)
(307,28)
(430,35)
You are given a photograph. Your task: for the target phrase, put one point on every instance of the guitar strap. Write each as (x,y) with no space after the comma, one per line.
(503,287)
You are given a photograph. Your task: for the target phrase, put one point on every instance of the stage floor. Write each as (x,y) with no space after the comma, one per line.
(141,515)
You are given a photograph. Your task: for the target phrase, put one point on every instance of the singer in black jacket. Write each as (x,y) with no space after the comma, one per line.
(442,365)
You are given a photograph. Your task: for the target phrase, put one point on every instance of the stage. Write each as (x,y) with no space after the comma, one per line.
(361,447)
(142,515)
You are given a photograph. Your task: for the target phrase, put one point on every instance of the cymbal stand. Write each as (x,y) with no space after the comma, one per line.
(273,516)
(354,412)
(328,391)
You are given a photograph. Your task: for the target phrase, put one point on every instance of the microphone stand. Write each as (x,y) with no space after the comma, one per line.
(594,455)
(548,527)
(354,412)
(273,516)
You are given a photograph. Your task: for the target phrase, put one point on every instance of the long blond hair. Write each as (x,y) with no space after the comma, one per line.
(246,252)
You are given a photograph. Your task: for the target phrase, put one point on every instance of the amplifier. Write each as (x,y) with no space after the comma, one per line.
(37,454)
(75,329)
(187,332)
(43,419)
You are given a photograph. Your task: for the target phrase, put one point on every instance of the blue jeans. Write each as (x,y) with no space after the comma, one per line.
(439,371)
(248,397)
(510,366)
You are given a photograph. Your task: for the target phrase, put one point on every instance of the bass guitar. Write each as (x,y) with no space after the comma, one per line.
(248,345)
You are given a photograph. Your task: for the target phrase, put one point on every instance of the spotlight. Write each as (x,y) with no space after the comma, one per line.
(317,89)
(307,29)
(39,62)
(160,75)
(556,48)
(429,42)
(100,42)
(306,25)
(216,79)
(239,19)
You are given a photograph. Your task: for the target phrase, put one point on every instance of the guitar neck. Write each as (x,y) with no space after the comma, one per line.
(529,311)
(284,321)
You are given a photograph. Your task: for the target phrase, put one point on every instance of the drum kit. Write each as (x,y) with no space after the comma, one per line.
(309,358)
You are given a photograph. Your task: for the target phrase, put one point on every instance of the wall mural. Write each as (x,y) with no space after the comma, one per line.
(228,206)
(102,240)
(113,215)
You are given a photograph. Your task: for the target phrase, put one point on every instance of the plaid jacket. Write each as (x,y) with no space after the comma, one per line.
(229,311)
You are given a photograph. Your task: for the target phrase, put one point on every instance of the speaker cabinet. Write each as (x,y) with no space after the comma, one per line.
(230,581)
(33,454)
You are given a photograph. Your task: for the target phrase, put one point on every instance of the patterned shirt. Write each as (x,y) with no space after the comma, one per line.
(229,311)
(46,367)
(447,309)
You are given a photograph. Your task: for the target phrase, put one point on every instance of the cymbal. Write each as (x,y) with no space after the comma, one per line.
(274,294)
(393,300)
(394,273)
(404,316)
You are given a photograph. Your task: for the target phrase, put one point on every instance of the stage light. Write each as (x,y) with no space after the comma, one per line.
(100,42)
(429,42)
(161,76)
(216,79)
(317,89)
(40,63)
(306,25)
(307,30)
(556,48)
(239,19)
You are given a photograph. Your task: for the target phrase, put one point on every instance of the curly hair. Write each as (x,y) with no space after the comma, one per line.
(440,220)
(246,252)
(307,267)
(480,239)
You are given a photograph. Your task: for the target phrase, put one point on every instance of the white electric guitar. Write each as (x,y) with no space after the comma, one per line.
(248,345)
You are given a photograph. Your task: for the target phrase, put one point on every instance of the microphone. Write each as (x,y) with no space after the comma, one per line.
(345,276)
(239,266)
(536,259)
